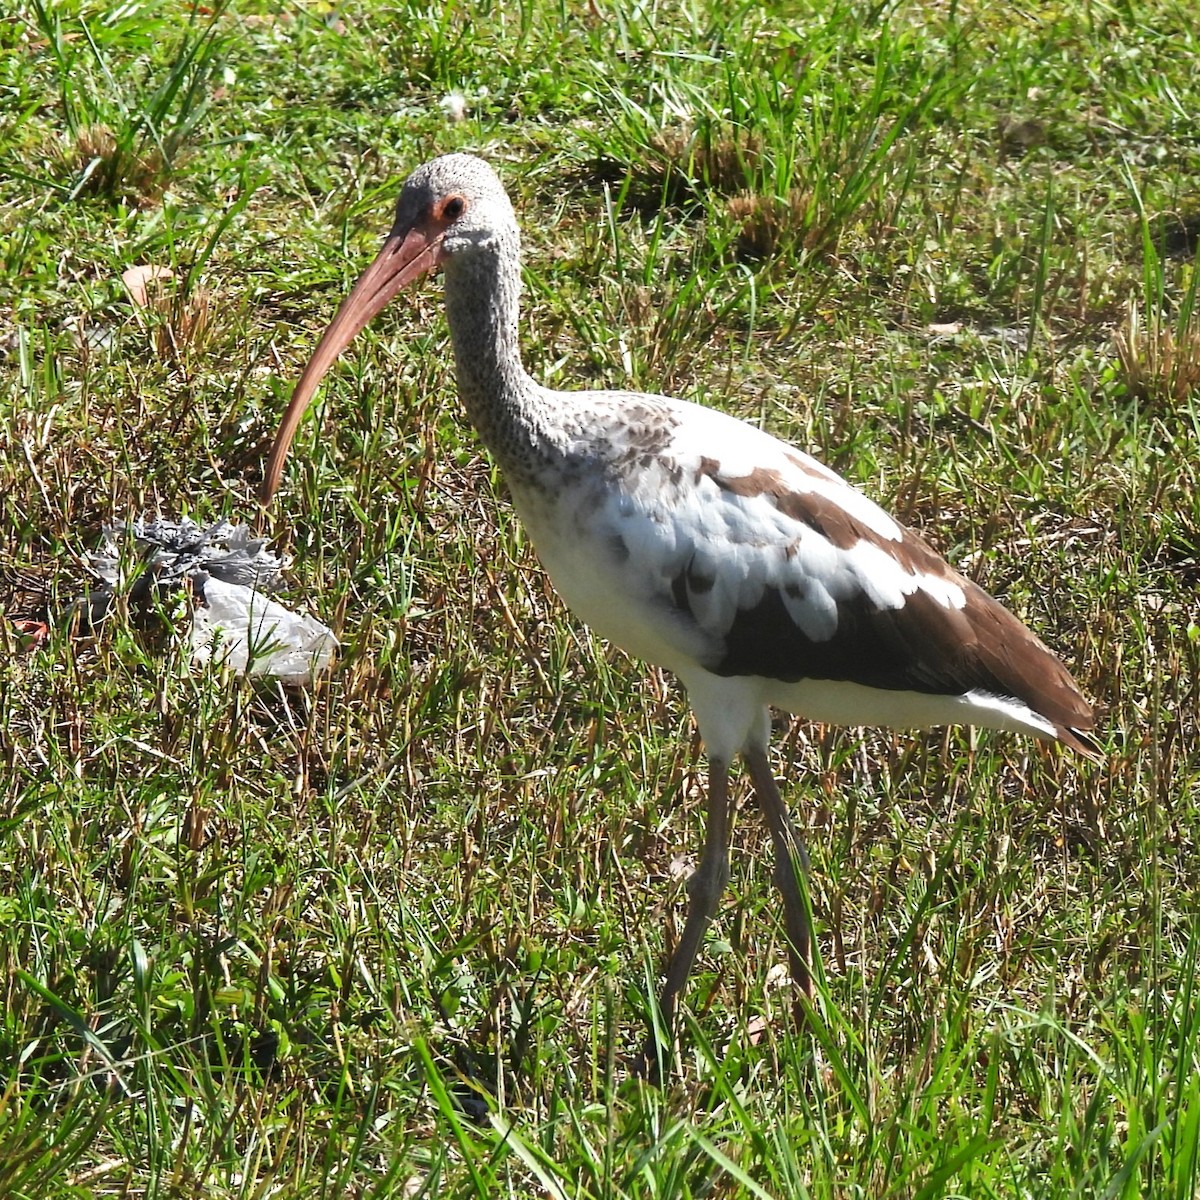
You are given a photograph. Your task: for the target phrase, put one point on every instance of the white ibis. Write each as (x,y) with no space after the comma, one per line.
(699,543)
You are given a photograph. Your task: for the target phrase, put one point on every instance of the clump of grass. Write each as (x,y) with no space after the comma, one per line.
(185,322)
(768,222)
(177,312)
(103,165)
(678,164)
(126,138)
(1158,362)
(716,157)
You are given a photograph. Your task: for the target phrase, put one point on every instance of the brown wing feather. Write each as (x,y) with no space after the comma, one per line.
(922,646)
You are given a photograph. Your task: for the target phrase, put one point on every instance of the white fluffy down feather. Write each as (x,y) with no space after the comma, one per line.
(243,630)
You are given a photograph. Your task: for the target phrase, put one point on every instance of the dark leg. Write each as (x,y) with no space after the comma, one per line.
(704,891)
(791,871)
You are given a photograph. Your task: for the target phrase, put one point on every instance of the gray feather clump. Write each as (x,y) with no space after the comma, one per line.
(173,554)
(237,625)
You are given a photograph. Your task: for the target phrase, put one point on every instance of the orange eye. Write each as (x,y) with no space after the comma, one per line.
(454,208)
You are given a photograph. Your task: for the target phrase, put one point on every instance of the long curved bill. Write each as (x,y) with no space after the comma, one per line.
(405,257)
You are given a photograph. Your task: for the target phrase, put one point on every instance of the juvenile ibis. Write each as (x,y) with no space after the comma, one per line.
(704,545)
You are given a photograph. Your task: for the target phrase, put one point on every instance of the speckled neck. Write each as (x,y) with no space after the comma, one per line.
(507,408)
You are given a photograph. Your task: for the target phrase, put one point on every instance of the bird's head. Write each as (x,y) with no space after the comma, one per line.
(449,209)
(456,204)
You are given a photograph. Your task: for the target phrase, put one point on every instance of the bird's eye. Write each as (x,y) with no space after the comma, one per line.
(453,208)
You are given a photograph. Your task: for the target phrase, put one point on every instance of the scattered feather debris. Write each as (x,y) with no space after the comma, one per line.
(244,630)
(229,574)
(454,105)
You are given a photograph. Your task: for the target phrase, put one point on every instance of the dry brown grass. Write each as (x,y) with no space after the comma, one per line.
(1158,362)
(177,312)
(104,167)
(720,159)
(767,222)
(185,321)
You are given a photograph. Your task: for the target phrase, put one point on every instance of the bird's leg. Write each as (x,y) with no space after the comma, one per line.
(704,891)
(791,871)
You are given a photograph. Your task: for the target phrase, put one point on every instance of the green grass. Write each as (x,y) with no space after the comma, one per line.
(396,937)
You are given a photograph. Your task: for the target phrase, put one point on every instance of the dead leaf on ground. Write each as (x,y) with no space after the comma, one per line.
(137,281)
(32,634)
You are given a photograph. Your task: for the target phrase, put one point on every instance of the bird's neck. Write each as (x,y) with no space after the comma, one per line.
(502,402)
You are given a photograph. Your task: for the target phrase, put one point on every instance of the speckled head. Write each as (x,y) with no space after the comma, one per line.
(452,209)
(458,201)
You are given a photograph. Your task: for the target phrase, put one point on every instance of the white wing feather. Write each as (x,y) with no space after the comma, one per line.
(667,518)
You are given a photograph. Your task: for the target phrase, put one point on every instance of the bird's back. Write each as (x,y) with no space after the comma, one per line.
(695,540)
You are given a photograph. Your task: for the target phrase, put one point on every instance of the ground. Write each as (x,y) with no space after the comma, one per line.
(397,935)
